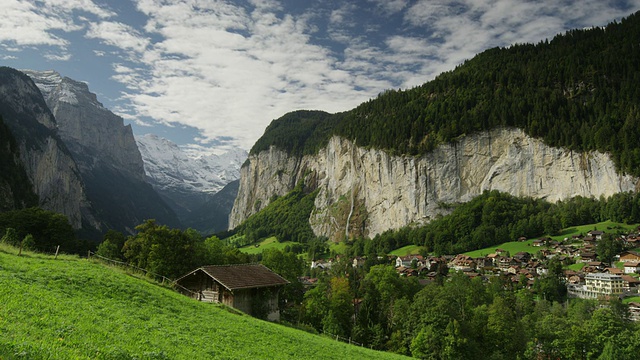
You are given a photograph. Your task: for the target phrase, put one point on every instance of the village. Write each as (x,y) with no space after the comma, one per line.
(593,280)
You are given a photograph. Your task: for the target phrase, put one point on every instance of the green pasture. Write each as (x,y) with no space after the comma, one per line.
(268,243)
(407,250)
(73,308)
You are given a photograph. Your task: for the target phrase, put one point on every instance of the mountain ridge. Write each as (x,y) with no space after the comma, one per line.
(532,120)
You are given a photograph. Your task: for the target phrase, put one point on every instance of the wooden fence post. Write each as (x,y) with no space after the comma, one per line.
(57,249)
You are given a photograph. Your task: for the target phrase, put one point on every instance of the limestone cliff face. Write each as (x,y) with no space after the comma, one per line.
(48,163)
(92,132)
(367,191)
(106,152)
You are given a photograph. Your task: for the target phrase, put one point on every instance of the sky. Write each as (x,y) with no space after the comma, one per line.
(215,73)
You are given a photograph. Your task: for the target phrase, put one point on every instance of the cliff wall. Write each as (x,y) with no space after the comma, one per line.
(367,191)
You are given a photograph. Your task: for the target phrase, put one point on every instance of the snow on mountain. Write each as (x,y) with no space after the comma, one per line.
(188,169)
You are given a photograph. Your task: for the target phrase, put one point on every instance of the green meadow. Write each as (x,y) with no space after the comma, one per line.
(72,308)
(268,243)
(407,250)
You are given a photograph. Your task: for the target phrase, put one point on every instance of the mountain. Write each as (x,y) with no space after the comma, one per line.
(16,189)
(48,163)
(553,120)
(188,179)
(106,153)
(213,216)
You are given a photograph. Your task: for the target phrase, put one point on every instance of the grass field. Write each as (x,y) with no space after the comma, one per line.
(72,308)
(407,250)
(269,243)
(631,299)
(516,246)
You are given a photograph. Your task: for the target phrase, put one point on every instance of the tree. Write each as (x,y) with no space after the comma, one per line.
(10,237)
(608,247)
(337,321)
(111,245)
(289,266)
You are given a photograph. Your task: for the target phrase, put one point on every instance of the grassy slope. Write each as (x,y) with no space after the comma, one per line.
(406,250)
(76,309)
(269,243)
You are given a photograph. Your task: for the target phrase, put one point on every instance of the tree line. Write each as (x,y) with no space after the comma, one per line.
(494,218)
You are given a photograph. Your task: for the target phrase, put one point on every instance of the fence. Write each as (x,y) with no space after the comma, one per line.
(144,271)
(343,339)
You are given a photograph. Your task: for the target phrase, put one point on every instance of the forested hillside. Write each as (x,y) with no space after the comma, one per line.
(578,90)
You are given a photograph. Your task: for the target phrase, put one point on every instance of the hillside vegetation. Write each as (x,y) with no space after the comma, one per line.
(577,91)
(72,308)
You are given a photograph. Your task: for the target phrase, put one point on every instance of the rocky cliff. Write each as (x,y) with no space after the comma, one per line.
(92,132)
(367,191)
(47,161)
(105,150)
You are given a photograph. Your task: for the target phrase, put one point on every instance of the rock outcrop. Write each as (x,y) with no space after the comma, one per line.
(367,191)
(47,161)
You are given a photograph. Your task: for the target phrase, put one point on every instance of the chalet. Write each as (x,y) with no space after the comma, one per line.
(626,256)
(522,256)
(407,261)
(629,282)
(587,257)
(597,234)
(634,311)
(632,267)
(613,270)
(247,287)
(598,265)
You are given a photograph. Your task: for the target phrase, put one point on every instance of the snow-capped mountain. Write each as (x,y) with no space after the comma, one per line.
(187,177)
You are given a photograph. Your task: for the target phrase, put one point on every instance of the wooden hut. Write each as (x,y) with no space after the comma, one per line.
(251,288)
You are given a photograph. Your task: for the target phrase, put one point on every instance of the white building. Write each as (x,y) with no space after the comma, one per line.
(597,285)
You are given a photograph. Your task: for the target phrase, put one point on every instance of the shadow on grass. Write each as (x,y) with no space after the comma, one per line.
(568,231)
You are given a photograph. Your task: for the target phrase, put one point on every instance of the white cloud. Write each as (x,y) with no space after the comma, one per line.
(58,57)
(119,35)
(29,23)
(228,70)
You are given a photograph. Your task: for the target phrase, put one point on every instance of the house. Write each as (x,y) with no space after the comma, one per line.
(634,311)
(251,288)
(597,285)
(613,270)
(630,283)
(596,234)
(358,262)
(598,265)
(407,261)
(587,257)
(629,256)
(632,267)
(321,264)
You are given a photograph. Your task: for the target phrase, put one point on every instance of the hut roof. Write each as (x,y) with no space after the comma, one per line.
(242,276)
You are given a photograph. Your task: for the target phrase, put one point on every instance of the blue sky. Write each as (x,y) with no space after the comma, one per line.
(215,73)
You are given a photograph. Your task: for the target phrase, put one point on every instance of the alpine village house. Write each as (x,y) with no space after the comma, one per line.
(251,288)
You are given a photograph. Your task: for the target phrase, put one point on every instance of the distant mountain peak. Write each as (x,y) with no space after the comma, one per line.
(188,176)
(55,87)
